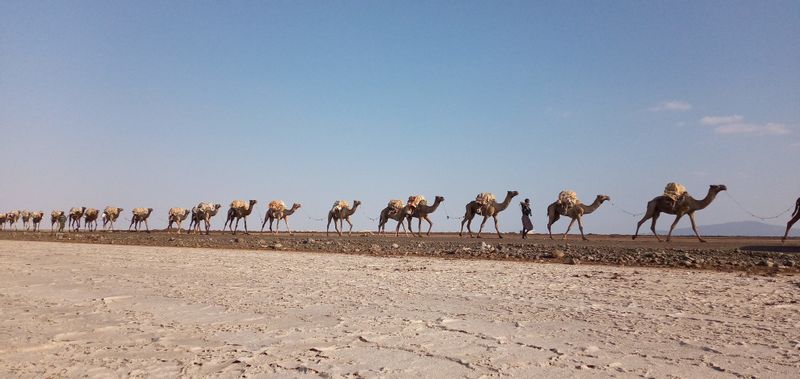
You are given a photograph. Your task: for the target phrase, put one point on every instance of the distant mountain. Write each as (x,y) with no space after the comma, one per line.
(739,228)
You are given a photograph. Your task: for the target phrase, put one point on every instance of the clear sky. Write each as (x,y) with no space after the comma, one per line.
(166,103)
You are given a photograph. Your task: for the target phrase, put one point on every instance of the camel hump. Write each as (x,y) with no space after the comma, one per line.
(484,198)
(339,205)
(277,205)
(568,198)
(140,212)
(395,204)
(674,191)
(415,200)
(240,204)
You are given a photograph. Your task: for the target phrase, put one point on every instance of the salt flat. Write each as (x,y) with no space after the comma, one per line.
(104,310)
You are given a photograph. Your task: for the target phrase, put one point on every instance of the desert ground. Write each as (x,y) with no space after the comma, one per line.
(102,310)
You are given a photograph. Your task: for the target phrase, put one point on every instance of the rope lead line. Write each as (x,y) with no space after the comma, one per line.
(448,214)
(625,211)
(754,215)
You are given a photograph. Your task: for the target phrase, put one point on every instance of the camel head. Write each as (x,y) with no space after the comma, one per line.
(217,206)
(356,203)
(716,188)
(296,206)
(602,198)
(253,202)
(185,213)
(149,210)
(511,194)
(439,199)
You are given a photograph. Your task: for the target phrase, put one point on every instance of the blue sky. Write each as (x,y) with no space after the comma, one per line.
(163,104)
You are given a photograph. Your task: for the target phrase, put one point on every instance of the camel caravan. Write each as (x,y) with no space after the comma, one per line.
(675,200)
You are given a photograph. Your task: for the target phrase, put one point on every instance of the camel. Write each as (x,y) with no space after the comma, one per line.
(193,219)
(90,218)
(12,218)
(110,215)
(575,212)
(685,205)
(203,211)
(54,215)
(277,211)
(75,215)
(421,212)
(140,215)
(36,219)
(3,219)
(177,215)
(239,210)
(26,218)
(340,213)
(795,217)
(397,211)
(489,208)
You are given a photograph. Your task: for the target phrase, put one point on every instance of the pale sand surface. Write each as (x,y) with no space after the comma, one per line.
(101,310)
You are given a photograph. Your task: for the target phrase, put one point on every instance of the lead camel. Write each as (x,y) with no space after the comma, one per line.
(686,205)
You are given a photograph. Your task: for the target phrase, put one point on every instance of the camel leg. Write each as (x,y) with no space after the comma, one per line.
(336,226)
(328,228)
(550,221)
(650,213)
(430,226)
(245,225)
(468,215)
(496,228)
(132,221)
(397,228)
(789,226)
(286,221)
(264,223)
(580,226)
(674,223)
(639,225)
(694,227)
(482,224)
(571,222)
(208,224)
(146,227)
(653,226)
(351,226)
(339,225)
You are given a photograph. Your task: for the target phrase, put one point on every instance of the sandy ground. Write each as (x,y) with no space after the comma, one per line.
(107,310)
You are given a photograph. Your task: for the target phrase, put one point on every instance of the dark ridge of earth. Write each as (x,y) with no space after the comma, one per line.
(762,255)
